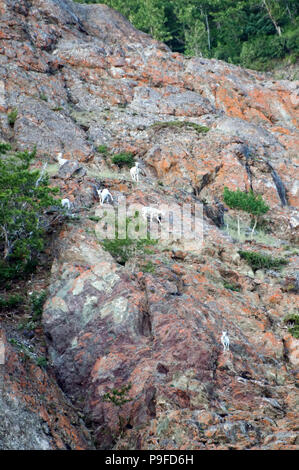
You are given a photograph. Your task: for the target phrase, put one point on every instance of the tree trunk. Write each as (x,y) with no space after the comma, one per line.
(288,10)
(208,31)
(254,226)
(6,242)
(272,18)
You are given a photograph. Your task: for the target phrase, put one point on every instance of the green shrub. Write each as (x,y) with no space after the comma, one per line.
(11,301)
(12,117)
(232,286)
(123,159)
(118,396)
(24,196)
(94,218)
(248,202)
(149,267)
(122,249)
(37,302)
(294,320)
(41,361)
(103,149)
(262,49)
(181,124)
(262,261)
(4,147)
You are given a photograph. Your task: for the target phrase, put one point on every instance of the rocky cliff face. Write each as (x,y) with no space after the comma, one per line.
(81,76)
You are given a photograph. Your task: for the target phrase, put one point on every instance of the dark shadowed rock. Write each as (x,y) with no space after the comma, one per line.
(34,413)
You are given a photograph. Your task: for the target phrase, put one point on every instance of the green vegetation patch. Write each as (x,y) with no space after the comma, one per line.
(123,249)
(103,149)
(37,302)
(149,267)
(24,196)
(12,117)
(4,147)
(262,260)
(249,202)
(232,286)
(11,301)
(293,320)
(181,124)
(123,159)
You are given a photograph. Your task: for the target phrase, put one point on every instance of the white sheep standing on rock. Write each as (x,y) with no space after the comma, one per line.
(225,341)
(135,172)
(66,203)
(61,160)
(104,195)
(153,213)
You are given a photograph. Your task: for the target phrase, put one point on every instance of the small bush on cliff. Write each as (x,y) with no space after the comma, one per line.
(24,196)
(123,249)
(4,147)
(37,302)
(12,117)
(11,301)
(248,202)
(103,149)
(123,159)
(119,397)
(293,322)
(262,260)
(181,124)
(231,286)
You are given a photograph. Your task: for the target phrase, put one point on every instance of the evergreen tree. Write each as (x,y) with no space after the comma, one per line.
(253,33)
(24,196)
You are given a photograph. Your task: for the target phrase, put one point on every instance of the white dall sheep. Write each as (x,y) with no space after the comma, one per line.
(66,203)
(61,160)
(104,195)
(152,213)
(135,172)
(225,341)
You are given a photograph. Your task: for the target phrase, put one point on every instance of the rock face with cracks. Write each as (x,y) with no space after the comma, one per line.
(35,414)
(81,76)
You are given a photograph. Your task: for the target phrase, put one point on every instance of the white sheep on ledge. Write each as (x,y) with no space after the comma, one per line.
(66,203)
(152,213)
(225,341)
(104,195)
(61,160)
(135,172)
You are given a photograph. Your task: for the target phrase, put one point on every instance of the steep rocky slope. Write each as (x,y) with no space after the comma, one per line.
(81,76)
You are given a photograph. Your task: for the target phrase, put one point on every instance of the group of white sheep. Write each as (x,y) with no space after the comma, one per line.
(105,195)
(152,212)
